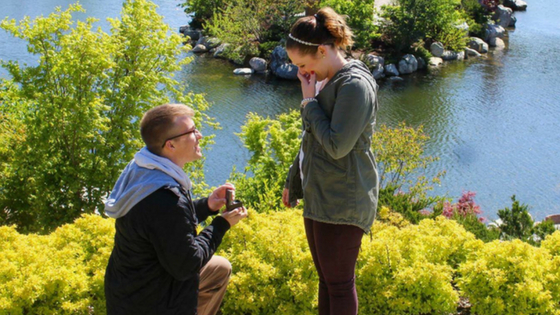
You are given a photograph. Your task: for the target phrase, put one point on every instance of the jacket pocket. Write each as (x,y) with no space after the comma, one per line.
(328,180)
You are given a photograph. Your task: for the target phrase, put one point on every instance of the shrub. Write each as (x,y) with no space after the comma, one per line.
(273,145)
(360,18)
(473,224)
(60,273)
(466,212)
(517,223)
(410,270)
(552,243)
(244,24)
(389,217)
(413,208)
(400,156)
(202,10)
(78,110)
(273,272)
(506,276)
(478,16)
(410,21)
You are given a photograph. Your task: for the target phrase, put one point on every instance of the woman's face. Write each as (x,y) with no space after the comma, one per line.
(309,63)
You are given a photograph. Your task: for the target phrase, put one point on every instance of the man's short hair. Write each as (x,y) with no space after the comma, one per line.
(157,124)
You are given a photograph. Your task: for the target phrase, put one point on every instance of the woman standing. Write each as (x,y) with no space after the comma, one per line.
(335,171)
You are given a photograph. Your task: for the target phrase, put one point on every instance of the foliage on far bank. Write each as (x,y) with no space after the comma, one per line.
(360,16)
(400,28)
(71,123)
(411,21)
(247,24)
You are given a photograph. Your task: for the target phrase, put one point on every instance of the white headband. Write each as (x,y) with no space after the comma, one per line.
(302,41)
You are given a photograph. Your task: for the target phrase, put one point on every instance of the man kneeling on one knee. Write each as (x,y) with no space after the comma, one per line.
(160,264)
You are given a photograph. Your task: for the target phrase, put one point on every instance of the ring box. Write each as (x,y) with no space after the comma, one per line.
(232,204)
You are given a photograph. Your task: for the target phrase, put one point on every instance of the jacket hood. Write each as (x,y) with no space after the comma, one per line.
(145,174)
(354,67)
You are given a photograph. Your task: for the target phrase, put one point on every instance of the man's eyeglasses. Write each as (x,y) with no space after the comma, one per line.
(177,136)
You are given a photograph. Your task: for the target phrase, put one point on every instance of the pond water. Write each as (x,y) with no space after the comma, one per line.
(493,122)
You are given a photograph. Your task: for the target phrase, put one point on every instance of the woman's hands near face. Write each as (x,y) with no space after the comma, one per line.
(308,82)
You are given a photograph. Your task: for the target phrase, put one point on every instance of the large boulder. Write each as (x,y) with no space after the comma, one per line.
(469,52)
(502,16)
(278,57)
(516,5)
(478,44)
(435,61)
(421,63)
(209,42)
(498,43)
(193,34)
(408,64)
(453,55)
(219,51)
(372,61)
(287,71)
(437,49)
(243,71)
(199,49)
(378,72)
(493,31)
(258,64)
(512,21)
(280,65)
(391,70)
(376,64)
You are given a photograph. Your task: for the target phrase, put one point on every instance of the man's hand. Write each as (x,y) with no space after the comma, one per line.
(235,215)
(217,198)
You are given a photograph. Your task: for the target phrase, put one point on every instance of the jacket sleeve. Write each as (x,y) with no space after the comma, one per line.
(293,168)
(202,209)
(352,112)
(172,233)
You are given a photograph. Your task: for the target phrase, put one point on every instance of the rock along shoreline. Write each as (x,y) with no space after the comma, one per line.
(280,66)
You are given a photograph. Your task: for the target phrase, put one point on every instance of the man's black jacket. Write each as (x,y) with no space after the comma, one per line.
(155,264)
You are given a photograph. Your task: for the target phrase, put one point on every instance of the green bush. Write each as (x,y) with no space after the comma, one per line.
(360,18)
(478,16)
(273,272)
(60,273)
(202,11)
(473,224)
(273,145)
(511,277)
(410,21)
(402,269)
(77,111)
(400,158)
(244,24)
(517,223)
(411,270)
(552,243)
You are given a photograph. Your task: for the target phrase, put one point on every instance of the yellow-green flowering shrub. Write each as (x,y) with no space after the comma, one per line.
(552,243)
(402,269)
(511,278)
(385,215)
(273,272)
(410,270)
(60,273)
